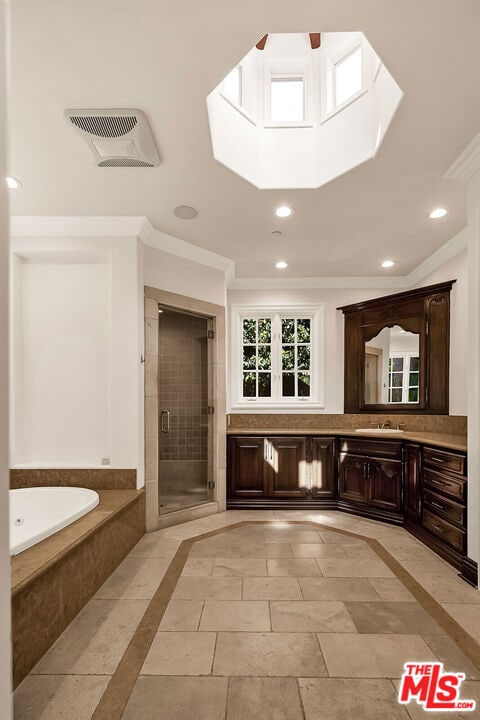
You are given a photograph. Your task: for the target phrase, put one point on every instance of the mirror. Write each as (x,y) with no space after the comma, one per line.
(392,367)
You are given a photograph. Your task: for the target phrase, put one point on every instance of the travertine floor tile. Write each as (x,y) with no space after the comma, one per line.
(253,567)
(177,698)
(342,589)
(354,568)
(56,697)
(441,581)
(134,579)
(268,655)
(235,615)
(339,699)
(271,589)
(298,534)
(182,615)
(360,552)
(293,568)
(330,536)
(374,656)
(240,549)
(308,616)
(451,656)
(469,690)
(391,590)
(392,617)
(269,698)
(198,567)
(208,588)
(467,615)
(172,653)
(316,550)
(154,545)
(95,641)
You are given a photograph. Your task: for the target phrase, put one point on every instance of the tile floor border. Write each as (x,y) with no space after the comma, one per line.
(119,689)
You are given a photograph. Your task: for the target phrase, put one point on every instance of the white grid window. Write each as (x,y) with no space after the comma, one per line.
(403,378)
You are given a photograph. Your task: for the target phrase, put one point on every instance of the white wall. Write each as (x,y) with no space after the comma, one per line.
(456,268)
(77,338)
(175,274)
(5,629)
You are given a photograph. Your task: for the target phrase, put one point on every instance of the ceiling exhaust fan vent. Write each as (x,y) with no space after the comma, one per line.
(117,137)
(104,126)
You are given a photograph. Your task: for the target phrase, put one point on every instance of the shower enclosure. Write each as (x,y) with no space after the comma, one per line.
(185,418)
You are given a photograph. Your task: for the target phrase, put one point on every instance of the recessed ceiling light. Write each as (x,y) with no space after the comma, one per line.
(283,211)
(388,263)
(281,265)
(185,212)
(438,213)
(13,183)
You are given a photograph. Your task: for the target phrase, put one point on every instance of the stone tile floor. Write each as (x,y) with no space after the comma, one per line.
(273,621)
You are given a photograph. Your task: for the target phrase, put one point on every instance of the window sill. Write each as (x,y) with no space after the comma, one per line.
(294,407)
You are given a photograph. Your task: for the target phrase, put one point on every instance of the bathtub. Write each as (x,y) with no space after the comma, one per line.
(38,512)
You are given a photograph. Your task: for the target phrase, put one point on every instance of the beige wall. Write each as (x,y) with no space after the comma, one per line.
(5,643)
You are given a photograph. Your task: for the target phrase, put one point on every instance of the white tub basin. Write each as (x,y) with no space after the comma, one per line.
(382,431)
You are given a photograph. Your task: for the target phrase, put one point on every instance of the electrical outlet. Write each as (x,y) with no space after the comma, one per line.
(105,461)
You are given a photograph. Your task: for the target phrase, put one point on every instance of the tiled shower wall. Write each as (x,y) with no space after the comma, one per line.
(183,385)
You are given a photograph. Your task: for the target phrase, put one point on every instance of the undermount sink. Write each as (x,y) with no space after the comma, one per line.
(383,431)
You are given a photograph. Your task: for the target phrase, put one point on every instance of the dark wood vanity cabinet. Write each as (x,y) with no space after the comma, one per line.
(411,499)
(370,475)
(263,471)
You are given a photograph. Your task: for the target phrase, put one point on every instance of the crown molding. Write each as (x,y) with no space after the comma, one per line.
(316,283)
(75,226)
(467,164)
(445,253)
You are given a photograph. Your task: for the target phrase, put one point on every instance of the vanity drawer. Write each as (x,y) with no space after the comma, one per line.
(374,448)
(449,509)
(444,460)
(443,530)
(444,483)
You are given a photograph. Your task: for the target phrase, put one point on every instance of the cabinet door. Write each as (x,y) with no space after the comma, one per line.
(323,467)
(385,483)
(352,478)
(286,466)
(411,498)
(246,471)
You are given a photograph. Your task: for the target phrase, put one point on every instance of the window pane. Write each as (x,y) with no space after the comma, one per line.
(264,385)
(414,363)
(348,76)
(288,331)
(413,378)
(413,395)
(232,85)
(396,395)
(288,357)
(303,357)
(287,99)
(249,358)
(288,384)
(397,364)
(303,331)
(264,357)
(397,379)
(249,384)
(265,331)
(303,385)
(249,331)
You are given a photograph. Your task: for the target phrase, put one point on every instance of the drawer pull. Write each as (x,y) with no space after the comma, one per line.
(440,529)
(437,459)
(438,482)
(439,505)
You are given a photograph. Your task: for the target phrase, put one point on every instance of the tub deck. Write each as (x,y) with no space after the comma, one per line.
(54,579)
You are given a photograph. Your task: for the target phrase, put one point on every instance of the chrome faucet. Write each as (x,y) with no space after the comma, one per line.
(385,425)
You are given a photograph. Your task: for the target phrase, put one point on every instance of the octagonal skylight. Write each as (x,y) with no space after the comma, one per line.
(301,109)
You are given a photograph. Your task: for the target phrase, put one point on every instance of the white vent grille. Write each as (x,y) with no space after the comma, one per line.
(117,138)
(104,126)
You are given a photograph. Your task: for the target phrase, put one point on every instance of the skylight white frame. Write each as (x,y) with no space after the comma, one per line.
(334,55)
(229,98)
(288,68)
(316,400)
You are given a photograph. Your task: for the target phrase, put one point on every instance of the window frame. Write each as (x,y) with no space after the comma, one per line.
(405,387)
(288,68)
(317,344)
(229,98)
(333,56)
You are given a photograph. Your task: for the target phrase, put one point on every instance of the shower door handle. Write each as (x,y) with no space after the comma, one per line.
(165,426)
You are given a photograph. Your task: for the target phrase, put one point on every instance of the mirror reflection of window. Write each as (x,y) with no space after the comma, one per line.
(392,364)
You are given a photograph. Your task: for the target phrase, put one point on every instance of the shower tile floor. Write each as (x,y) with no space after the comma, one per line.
(170,502)
(269,619)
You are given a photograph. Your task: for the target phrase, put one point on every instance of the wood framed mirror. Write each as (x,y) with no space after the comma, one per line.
(397,352)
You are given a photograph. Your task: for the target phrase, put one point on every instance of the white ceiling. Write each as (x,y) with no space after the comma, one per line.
(165,56)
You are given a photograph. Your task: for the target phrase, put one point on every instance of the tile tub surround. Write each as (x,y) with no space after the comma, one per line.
(53,580)
(91,478)
(201,648)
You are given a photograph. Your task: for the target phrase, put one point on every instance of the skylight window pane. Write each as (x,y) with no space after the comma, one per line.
(287,99)
(348,76)
(232,85)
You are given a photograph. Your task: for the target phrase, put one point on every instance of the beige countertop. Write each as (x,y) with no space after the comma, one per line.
(445,440)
